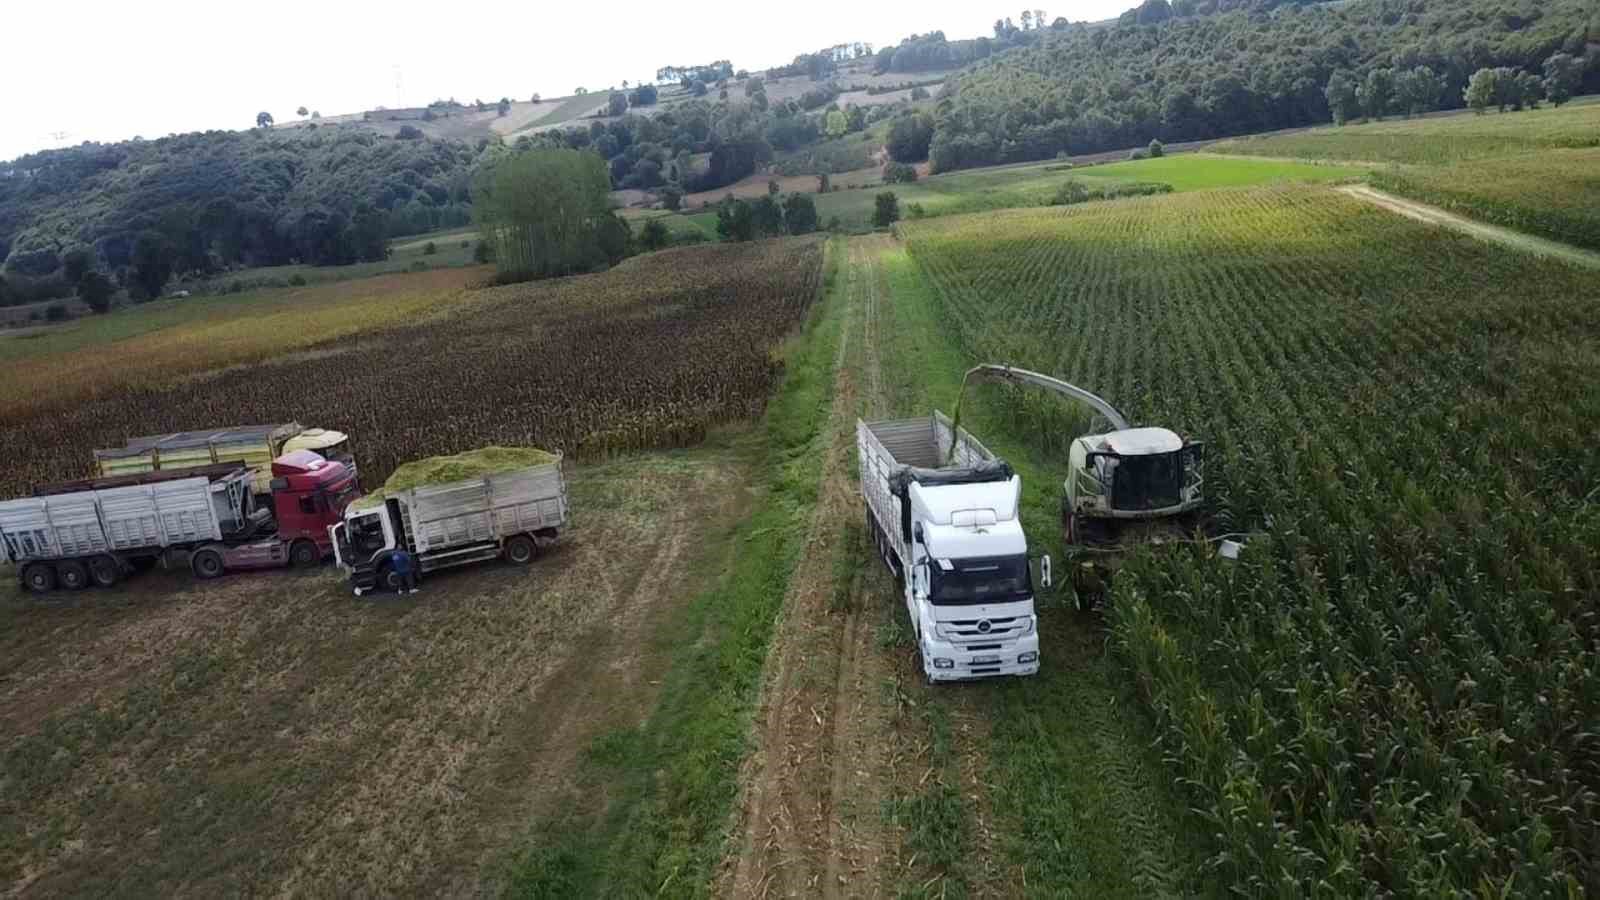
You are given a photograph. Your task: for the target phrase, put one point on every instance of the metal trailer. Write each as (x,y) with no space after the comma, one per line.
(507,514)
(92,532)
(255,446)
(892,450)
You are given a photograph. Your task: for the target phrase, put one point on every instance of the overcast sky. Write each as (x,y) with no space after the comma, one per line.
(107,71)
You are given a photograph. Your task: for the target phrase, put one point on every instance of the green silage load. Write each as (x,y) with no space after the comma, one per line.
(460,467)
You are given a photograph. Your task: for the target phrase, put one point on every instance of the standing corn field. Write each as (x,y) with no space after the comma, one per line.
(1394,690)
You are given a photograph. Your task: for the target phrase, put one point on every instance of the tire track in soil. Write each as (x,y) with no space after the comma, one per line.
(809,820)
(911,747)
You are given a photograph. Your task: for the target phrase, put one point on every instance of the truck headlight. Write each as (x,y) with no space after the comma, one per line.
(940,662)
(1027,628)
(1032,656)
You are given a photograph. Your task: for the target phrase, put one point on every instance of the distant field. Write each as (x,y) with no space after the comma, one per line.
(158,342)
(1435,141)
(1552,193)
(452,249)
(675,223)
(1034,185)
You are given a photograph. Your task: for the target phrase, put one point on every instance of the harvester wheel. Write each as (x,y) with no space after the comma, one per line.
(40,577)
(303,553)
(105,571)
(73,575)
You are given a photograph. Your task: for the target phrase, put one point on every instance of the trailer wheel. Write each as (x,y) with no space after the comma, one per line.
(520,549)
(303,553)
(40,577)
(104,570)
(72,575)
(206,563)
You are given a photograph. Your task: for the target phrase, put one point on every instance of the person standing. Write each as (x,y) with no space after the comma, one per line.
(405,570)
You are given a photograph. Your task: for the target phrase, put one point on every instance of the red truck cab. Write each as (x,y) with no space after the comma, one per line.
(309,494)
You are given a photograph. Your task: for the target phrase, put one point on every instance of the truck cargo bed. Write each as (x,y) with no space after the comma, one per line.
(524,501)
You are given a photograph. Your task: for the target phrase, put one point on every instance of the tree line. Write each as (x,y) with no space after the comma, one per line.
(1193,70)
(142,211)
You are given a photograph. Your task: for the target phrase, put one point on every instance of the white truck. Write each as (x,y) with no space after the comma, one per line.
(78,534)
(944,514)
(509,513)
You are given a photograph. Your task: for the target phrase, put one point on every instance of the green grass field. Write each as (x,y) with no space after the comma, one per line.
(452,249)
(1437,141)
(1034,185)
(677,224)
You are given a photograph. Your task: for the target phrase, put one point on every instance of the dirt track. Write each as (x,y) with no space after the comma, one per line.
(271,734)
(808,821)
(1433,215)
(839,736)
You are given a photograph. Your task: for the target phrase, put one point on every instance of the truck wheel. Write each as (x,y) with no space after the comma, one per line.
(39,577)
(206,564)
(520,549)
(105,571)
(388,580)
(73,575)
(303,553)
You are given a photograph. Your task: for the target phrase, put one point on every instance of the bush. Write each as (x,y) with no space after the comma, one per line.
(466,244)
(886,210)
(1138,153)
(430,248)
(919,93)
(409,133)
(297,280)
(1157,149)
(236,287)
(482,253)
(915,211)
(56,312)
(419,266)
(899,173)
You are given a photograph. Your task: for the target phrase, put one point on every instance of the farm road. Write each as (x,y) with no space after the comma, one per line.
(838,737)
(1433,215)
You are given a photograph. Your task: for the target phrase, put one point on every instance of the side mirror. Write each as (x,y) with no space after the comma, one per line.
(916,532)
(1044,571)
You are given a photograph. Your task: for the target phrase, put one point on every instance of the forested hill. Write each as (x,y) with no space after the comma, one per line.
(1190,70)
(227,198)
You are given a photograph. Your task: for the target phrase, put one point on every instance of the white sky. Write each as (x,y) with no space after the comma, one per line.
(107,71)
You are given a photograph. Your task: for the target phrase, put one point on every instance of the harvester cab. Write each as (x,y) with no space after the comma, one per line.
(1124,485)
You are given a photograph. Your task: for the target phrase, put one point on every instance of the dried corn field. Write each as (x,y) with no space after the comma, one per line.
(650,354)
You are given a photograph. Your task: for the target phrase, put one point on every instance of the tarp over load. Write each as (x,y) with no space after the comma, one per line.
(436,470)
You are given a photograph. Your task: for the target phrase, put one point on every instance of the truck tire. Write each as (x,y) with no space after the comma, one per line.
(40,577)
(303,554)
(520,549)
(104,570)
(388,580)
(72,574)
(206,563)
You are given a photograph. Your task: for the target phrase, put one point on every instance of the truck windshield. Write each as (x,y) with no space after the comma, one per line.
(1147,482)
(366,533)
(341,495)
(992,579)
